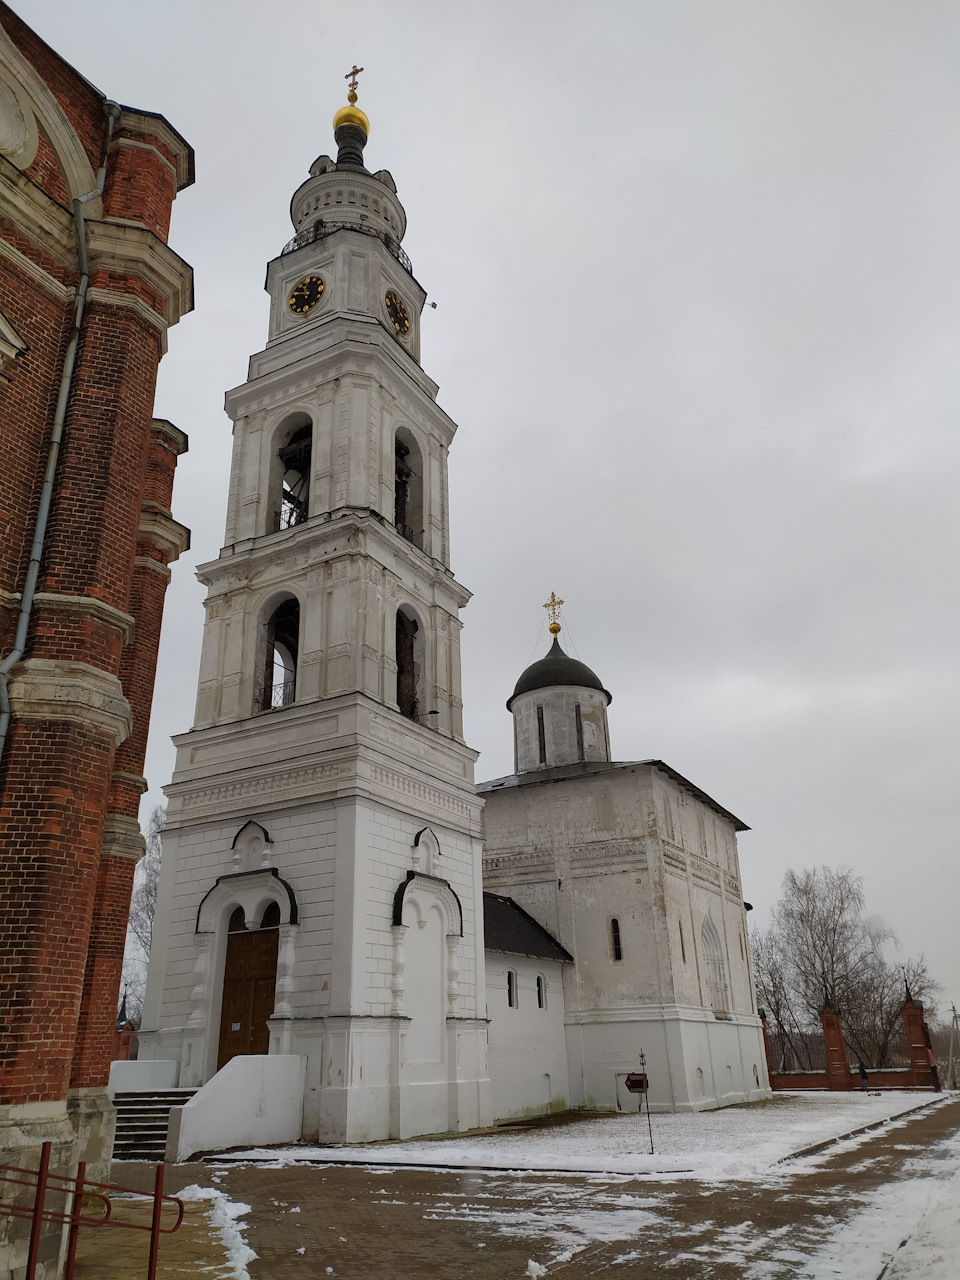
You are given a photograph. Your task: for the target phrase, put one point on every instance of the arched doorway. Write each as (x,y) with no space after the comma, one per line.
(249,985)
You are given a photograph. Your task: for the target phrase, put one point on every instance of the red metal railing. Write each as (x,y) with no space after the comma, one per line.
(76,1190)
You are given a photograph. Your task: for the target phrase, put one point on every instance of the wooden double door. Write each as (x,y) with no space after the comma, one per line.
(249,991)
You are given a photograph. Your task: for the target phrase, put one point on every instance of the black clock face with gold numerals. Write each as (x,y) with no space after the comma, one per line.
(398,313)
(305,296)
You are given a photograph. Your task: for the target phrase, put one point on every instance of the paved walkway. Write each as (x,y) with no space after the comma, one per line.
(361,1222)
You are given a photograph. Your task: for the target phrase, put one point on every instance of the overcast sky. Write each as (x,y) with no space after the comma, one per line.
(696,273)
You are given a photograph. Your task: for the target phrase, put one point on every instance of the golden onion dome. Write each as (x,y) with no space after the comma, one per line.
(351,115)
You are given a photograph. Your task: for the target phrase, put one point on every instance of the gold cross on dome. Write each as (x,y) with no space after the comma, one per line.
(352,77)
(553,605)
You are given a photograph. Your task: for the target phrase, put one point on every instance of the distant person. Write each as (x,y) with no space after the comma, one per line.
(863,1076)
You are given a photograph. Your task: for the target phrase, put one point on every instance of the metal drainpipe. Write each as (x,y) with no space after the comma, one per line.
(46,493)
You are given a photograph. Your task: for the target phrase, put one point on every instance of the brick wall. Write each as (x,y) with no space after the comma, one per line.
(70,778)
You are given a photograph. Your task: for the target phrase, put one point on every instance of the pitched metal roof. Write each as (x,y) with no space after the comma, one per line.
(560,774)
(509,929)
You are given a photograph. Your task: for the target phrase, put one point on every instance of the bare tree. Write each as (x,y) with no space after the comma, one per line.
(143,904)
(820,947)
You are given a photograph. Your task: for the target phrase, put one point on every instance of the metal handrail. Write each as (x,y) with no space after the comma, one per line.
(321,229)
(79,1189)
(272,697)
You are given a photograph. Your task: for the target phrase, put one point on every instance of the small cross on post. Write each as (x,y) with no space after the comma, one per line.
(553,605)
(352,77)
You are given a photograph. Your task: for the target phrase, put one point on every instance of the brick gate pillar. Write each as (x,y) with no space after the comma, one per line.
(923,1070)
(838,1068)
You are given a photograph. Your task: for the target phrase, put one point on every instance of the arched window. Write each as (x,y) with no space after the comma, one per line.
(293,506)
(713,966)
(282,644)
(513,1000)
(408,488)
(615,944)
(541,992)
(409,665)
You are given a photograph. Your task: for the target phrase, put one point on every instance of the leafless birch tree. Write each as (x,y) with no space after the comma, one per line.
(821,947)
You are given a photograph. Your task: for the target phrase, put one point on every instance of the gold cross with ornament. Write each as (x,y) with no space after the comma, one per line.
(553,605)
(352,77)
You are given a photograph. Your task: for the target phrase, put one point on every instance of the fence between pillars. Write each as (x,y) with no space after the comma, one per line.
(77,1190)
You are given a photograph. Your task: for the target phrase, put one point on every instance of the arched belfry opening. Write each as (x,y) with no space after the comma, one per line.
(249,984)
(409,665)
(408,488)
(278,687)
(292,474)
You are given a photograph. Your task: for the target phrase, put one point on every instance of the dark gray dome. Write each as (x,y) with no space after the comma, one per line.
(557,668)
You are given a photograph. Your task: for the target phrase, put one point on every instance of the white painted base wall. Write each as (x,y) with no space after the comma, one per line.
(527,1046)
(255,1100)
(142,1077)
(695,1061)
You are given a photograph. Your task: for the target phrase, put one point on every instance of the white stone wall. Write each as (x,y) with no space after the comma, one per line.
(634,844)
(559,705)
(527,1044)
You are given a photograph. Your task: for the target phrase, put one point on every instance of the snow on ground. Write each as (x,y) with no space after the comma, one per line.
(735,1142)
(934,1250)
(224,1213)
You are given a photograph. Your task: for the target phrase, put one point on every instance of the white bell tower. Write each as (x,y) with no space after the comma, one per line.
(329,710)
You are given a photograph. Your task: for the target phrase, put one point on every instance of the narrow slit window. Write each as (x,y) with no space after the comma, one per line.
(615,939)
(542,735)
(541,992)
(409,643)
(579,718)
(512,989)
(683,949)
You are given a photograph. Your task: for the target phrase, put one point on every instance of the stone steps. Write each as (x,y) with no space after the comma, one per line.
(142,1121)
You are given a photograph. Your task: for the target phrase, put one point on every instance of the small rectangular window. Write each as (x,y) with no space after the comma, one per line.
(541,733)
(579,732)
(512,989)
(541,992)
(615,939)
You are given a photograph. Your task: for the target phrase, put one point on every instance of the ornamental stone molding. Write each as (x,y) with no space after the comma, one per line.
(122,837)
(130,250)
(90,607)
(46,689)
(11,344)
(274,789)
(160,530)
(35,98)
(250,890)
(432,886)
(18,127)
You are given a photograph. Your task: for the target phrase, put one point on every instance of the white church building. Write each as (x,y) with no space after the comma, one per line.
(321,917)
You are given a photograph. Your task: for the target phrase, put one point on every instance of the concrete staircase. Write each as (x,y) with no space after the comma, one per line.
(142,1120)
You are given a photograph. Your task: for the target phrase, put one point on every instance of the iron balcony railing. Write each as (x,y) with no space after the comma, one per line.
(320,230)
(273,696)
(290,513)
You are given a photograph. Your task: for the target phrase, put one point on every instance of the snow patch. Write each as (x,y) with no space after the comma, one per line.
(224,1213)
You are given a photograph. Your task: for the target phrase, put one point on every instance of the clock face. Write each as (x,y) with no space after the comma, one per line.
(398,313)
(305,296)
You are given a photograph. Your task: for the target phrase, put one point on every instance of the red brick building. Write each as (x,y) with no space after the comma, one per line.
(88,288)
